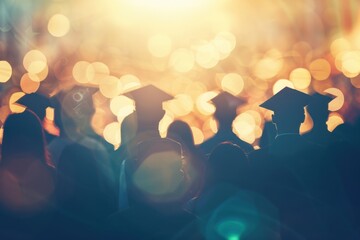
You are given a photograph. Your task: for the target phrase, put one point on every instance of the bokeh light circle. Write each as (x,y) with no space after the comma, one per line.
(28,85)
(58,25)
(320,69)
(232,83)
(337,102)
(5,71)
(280,84)
(301,78)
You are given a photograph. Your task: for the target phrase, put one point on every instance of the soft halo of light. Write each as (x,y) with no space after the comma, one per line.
(97,71)
(79,71)
(159,45)
(334,120)
(232,83)
(129,82)
(338,102)
(203,103)
(34,61)
(5,71)
(198,135)
(182,60)
(28,85)
(280,84)
(112,133)
(225,43)
(110,86)
(14,107)
(320,69)
(207,56)
(58,25)
(301,78)
(122,106)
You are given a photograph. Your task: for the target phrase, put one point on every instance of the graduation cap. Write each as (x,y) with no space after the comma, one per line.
(36,102)
(225,100)
(148,97)
(320,100)
(287,100)
(148,103)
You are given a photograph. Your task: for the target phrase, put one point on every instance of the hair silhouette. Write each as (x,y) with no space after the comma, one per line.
(24,135)
(194,161)
(181,132)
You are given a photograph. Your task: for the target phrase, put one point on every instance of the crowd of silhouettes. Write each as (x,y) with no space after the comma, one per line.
(73,185)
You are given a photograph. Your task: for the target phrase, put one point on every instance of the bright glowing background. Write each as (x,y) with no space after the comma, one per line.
(192,49)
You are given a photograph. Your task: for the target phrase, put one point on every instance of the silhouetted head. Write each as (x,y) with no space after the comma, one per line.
(318,107)
(181,132)
(288,107)
(35,102)
(225,164)
(148,104)
(24,136)
(226,105)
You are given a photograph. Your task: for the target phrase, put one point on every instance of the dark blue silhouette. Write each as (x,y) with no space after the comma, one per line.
(225,114)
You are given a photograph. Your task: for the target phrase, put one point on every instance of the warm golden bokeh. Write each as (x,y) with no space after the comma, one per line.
(59,25)
(280,84)
(112,133)
(79,71)
(301,78)
(14,107)
(34,61)
(110,86)
(190,49)
(159,45)
(320,69)
(334,121)
(198,135)
(121,106)
(5,71)
(339,100)
(28,85)
(232,83)
(182,60)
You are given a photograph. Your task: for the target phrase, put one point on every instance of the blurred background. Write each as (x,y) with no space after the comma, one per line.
(192,49)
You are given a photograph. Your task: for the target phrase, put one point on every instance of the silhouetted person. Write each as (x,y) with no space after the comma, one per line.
(27,178)
(225,114)
(288,107)
(318,110)
(227,166)
(144,125)
(82,201)
(73,113)
(345,152)
(227,163)
(38,103)
(295,174)
(228,195)
(194,161)
(151,173)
